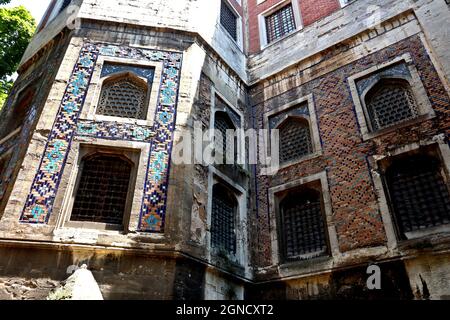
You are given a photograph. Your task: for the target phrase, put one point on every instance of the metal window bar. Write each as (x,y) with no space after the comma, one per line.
(228,20)
(280,23)
(103,189)
(124,98)
(222,124)
(391,104)
(223,226)
(303,225)
(419,194)
(295,140)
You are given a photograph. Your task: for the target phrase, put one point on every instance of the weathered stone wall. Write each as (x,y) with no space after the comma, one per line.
(350,21)
(128,263)
(179,15)
(357,219)
(345,284)
(32,272)
(187,275)
(38,73)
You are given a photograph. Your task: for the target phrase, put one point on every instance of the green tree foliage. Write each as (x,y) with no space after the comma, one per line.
(17,27)
(5,87)
(5,1)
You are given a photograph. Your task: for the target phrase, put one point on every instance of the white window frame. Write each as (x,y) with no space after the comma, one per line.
(262,21)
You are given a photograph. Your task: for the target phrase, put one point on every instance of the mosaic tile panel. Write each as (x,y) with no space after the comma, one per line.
(111,68)
(40,202)
(114,131)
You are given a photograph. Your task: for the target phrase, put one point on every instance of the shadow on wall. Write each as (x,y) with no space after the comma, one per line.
(349,284)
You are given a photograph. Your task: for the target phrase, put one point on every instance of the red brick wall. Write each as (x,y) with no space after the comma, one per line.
(345,159)
(237,6)
(311,10)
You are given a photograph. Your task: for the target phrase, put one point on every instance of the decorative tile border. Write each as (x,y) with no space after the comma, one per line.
(114,131)
(44,73)
(40,201)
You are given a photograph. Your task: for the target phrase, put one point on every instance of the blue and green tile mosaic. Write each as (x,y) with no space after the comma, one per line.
(39,205)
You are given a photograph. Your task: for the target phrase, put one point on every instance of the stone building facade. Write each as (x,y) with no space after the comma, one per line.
(107,90)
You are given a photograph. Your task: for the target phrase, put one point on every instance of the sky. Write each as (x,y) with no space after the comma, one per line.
(36,7)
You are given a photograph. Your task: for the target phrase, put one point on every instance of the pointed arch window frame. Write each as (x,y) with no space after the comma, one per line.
(92,155)
(313,127)
(225,141)
(95,89)
(425,109)
(241,147)
(241,257)
(125,76)
(135,153)
(306,120)
(382,82)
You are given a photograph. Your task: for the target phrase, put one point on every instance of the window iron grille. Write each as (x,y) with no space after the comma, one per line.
(303,225)
(124,98)
(223,226)
(390,104)
(103,190)
(228,20)
(280,23)
(224,144)
(295,140)
(419,194)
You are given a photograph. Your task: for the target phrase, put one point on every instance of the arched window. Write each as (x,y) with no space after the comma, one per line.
(303,229)
(123,97)
(419,194)
(295,139)
(390,102)
(103,189)
(20,110)
(223,219)
(222,124)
